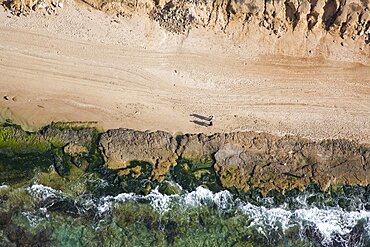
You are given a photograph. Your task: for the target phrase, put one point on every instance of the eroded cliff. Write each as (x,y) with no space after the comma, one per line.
(347,19)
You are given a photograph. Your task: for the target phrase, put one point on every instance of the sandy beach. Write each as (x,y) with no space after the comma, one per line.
(105,136)
(84,65)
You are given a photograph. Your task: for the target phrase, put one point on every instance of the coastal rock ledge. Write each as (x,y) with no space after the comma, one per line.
(242,160)
(141,161)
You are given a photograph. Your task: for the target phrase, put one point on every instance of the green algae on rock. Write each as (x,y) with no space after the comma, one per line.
(14,140)
(120,147)
(140,161)
(225,190)
(23,153)
(242,160)
(191,174)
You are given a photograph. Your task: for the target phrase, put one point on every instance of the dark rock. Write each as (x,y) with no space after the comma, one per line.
(79,137)
(5,218)
(21,237)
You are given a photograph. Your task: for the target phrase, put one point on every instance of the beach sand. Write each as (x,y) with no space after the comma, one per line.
(84,65)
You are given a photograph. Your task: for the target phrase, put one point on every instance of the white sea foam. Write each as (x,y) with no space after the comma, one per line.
(33,219)
(104,206)
(198,197)
(4,186)
(156,199)
(159,201)
(202,196)
(331,220)
(262,216)
(123,197)
(163,203)
(327,221)
(44,192)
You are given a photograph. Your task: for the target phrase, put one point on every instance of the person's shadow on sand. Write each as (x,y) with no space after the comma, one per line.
(204,124)
(202,120)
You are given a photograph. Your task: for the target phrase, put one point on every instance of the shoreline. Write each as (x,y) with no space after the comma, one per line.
(286,161)
(236,161)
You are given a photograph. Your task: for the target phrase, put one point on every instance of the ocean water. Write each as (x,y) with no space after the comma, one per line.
(44,216)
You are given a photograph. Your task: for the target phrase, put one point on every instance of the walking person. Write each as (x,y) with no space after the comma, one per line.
(211,120)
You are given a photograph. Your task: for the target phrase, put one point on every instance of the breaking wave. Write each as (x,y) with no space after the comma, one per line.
(326,224)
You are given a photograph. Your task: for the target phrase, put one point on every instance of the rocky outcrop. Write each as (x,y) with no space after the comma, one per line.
(70,134)
(121,147)
(245,159)
(24,7)
(57,145)
(267,162)
(348,19)
(13,139)
(143,160)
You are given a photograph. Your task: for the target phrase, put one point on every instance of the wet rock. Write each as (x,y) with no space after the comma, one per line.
(61,165)
(192,174)
(170,188)
(5,218)
(77,135)
(122,146)
(239,160)
(73,149)
(66,207)
(243,159)
(24,238)
(234,167)
(14,140)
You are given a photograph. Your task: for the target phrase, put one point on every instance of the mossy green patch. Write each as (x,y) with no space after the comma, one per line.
(137,177)
(73,125)
(22,167)
(191,174)
(170,188)
(15,140)
(24,154)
